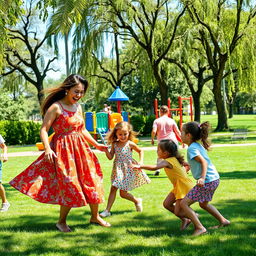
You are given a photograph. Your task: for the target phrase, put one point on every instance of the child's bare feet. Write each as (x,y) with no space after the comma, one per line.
(199,232)
(185,223)
(100,221)
(222,224)
(63,227)
(138,205)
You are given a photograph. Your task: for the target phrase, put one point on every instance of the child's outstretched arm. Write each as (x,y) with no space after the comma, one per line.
(161,164)
(4,148)
(110,154)
(201,160)
(138,150)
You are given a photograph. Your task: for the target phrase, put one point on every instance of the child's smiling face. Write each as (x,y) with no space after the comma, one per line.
(122,135)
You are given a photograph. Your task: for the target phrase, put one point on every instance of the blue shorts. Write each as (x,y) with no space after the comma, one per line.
(0,171)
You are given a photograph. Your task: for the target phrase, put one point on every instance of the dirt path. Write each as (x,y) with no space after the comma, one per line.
(38,153)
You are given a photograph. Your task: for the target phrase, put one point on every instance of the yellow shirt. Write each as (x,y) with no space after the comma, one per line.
(179,178)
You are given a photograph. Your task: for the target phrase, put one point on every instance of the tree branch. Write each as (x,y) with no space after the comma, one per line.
(172,38)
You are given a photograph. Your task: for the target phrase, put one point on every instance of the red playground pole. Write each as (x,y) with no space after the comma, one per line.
(169,106)
(118,106)
(180,109)
(191,108)
(156,107)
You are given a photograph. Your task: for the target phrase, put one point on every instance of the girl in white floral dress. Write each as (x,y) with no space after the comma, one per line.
(124,177)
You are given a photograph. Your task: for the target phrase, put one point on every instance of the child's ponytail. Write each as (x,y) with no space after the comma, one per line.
(204,133)
(199,132)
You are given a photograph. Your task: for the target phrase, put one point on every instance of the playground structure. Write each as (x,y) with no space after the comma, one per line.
(179,111)
(118,96)
(98,124)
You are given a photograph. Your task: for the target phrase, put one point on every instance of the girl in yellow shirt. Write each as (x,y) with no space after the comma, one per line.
(172,162)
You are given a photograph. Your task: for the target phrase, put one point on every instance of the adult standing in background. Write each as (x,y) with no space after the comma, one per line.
(165,128)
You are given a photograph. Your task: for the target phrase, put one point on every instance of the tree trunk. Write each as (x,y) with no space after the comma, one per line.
(220,105)
(66,54)
(40,93)
(230,110)
(197,107)
(163,87)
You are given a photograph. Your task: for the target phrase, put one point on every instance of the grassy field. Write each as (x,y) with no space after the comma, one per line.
(237,122)
(28,228)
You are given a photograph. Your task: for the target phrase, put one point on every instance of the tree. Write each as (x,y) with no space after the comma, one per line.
(24,56)
(14,109)
(143,21)
(9,13)
(221,27)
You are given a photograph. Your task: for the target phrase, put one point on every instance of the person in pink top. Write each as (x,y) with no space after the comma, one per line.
(165,128)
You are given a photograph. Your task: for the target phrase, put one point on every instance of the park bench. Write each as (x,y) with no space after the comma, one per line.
(239,134)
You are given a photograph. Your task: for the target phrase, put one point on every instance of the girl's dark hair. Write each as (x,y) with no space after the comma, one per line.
(198,132)
(170,147)
(57,93)
(111,136)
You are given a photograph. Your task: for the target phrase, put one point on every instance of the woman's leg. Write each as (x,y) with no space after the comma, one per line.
(111,198)
(185,205)
(215,213)
(95,217)
(62,225)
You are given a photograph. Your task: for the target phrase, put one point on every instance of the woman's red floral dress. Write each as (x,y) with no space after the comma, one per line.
(75,178)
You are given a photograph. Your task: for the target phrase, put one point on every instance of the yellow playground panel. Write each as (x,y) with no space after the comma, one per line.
(114,119)
(40,145)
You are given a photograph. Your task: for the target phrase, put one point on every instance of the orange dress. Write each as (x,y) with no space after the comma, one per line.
(75,178)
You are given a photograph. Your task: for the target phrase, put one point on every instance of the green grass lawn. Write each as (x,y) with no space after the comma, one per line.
(237,122)
(28,228)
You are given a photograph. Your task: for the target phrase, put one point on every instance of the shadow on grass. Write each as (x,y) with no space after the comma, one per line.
(147,233)
(238,175)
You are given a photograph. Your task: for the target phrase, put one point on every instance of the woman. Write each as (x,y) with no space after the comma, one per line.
(67,173)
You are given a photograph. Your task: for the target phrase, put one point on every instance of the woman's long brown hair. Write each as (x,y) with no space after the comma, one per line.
(57,93)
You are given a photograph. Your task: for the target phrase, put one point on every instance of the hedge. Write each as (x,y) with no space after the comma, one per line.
(142,124)
(20,132)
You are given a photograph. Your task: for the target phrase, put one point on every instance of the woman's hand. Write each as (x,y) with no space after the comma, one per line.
(102,147)
(49,154)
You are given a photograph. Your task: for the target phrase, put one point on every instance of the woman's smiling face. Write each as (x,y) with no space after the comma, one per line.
(75,93)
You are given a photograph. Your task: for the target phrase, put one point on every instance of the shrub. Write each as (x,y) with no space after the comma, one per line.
(148,125)
(138,123)
(20,132)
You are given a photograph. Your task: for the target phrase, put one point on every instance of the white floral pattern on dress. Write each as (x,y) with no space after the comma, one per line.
(123,176)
